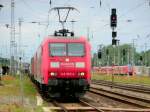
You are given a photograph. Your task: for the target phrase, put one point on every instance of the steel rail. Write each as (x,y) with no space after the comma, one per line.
(135,88)
(122,97)
(95,108)
(87,107)
(48,109)
(90,107)
(128,84)
(61,106)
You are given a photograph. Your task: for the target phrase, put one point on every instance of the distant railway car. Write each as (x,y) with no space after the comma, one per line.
(26,68)
(125,70)
(61,66)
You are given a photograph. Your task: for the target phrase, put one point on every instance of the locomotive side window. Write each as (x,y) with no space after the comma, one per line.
(57,49)
(75,49)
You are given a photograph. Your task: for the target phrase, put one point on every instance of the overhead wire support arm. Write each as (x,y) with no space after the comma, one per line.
(67,15)
(59,15)
(63,21)
(63,8)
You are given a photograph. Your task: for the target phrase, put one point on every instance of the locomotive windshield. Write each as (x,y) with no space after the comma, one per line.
(63,49)
(75,49)
(58,49)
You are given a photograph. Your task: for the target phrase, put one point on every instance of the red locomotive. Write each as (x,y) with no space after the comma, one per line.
(61,66)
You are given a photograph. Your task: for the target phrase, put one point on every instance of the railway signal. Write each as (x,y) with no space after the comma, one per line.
(100,50)
(107,52)
(114,34)
(141,58)
(114,41)
(113,18)
(99,54)
(113,25)
(124,52)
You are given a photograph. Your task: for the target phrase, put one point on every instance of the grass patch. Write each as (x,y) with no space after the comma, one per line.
(38,109)
(10,95)
(13,108)
(19,108)
(145,80)
(29,88)
(11,85)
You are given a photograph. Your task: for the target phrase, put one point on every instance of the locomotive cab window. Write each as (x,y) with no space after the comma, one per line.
(57,49)
(63,49)
(75,49)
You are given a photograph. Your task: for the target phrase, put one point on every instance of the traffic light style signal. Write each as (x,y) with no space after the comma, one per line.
(141,58)
(114,34)
(113,18)
(107,52)
(99,54)
(114,41)
(124,52)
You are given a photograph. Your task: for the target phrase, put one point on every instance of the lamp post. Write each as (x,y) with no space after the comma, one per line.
(134,49)
(13,52)
(147,36)
(118,52)
(1,6)
(21,81)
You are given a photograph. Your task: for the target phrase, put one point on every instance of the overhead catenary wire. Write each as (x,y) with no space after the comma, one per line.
(66,3)
(32,10)
(132,9)
(129,11)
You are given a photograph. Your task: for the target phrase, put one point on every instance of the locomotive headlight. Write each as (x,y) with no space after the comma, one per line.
(53,74)
(81,74)
(80,64)
(54,64)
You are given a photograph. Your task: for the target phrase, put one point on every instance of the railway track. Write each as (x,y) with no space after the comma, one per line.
(121,96)
(130,87)
(82,105)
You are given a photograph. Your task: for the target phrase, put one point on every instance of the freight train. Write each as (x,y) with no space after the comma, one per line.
(61,66)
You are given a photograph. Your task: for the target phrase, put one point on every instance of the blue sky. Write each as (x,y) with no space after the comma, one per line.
(92,16)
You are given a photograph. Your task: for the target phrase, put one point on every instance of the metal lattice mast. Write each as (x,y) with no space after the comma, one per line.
(12,38)
(20,37)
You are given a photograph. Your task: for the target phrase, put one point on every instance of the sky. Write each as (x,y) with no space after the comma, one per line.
(133,22)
